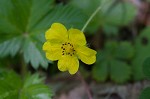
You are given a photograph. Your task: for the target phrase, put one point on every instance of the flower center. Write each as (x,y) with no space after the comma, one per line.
(67,49)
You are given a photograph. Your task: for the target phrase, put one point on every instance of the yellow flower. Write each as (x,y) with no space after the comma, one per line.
(67,47)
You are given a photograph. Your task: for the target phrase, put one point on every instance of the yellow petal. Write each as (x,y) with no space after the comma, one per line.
(86,54)
(77,37)
(69,63)
(57,33)
(53,52)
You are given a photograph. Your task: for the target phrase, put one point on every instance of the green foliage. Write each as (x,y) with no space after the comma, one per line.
(114,13)
(145,94)
(142,46)
(120,71)
(23,24)
(112,62)
(146,67)
(13,87)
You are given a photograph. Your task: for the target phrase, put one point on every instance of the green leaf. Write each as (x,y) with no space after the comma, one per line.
(36,57)
(23,24)
(34,79)
(36,91)
(7,77)
(110,48)
(100,71)
(70,16)
(10,83)
(11,47)
(34,88)
(110,30)
(109,62)
(118,13)
(146,67)
(119,71)
(145,94)
(125,50)
(12,87)
(142,46)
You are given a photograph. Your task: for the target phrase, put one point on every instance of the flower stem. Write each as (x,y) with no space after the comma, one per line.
(92,16)
(85,85)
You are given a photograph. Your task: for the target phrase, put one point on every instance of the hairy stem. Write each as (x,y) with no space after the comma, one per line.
(92,16)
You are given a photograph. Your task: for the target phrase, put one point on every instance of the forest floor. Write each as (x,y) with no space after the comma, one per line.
(72,88)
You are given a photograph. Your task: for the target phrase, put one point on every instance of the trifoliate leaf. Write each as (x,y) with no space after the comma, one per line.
(119,71)
(145,94)
(108,64)
(146,67)
(23,24)
(142,47)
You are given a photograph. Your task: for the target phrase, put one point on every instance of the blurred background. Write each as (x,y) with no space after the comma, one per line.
(119,32)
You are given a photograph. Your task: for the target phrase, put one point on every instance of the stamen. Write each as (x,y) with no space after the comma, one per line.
(67,49)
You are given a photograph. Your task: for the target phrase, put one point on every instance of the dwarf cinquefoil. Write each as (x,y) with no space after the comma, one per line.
(67,46)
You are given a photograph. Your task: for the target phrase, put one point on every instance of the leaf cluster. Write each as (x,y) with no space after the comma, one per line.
(23,24)
(112,62)
(12,86)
